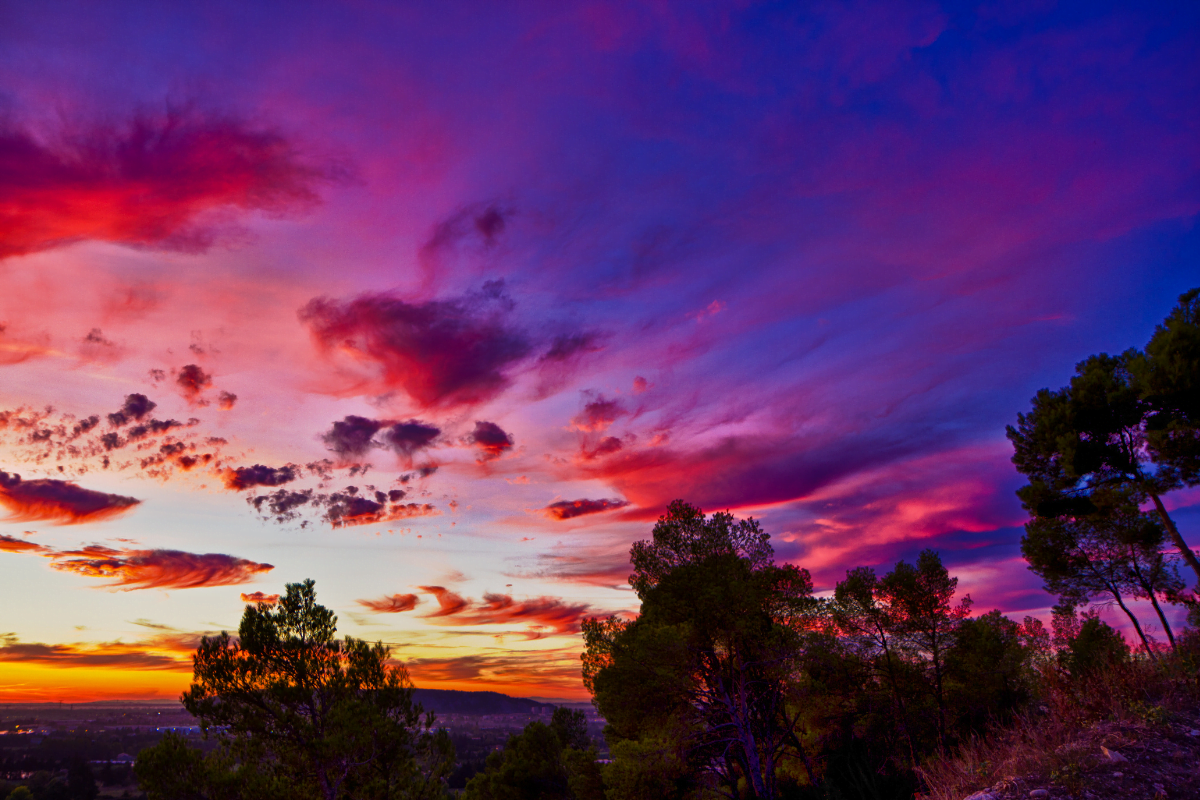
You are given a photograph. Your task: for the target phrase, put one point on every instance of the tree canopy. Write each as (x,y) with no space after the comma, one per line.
(1126,426)
(299,714)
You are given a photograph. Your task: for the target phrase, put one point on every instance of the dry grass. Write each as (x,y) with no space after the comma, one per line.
(1057,745)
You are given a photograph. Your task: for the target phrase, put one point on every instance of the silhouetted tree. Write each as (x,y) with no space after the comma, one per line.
(299,714)
(704,671)
(1111,555)
(1127,423)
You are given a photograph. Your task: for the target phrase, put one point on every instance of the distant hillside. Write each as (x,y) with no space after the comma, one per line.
(451,701)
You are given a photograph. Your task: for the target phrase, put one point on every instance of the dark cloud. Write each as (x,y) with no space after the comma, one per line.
(58,501)
(154,427)
(135,408)
(406,438)
(606,446)
(282,505)
(347,508)
(598,414)
(351,437)
(260,475)
(260,597)
(392,604)
(491,440)
(192,382)
(144,183)
(448,602)
(226,400)
(158,569)
(480,225)
(442,353)
(568,509)
(567,346)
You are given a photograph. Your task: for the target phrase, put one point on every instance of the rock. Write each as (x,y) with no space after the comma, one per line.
(1193,732)
(981,796)
(1039,793)
(1113,757)
(1118,774)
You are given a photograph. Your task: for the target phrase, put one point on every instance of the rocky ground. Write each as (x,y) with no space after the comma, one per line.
(1146,759)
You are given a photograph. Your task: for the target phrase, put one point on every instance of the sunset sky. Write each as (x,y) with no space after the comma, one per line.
(441,303)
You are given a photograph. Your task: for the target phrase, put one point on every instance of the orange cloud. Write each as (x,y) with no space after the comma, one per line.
(448,602)
(169,651)
(144,569)
(11,544)
(539,614)
(392,604)
(158,569)
(63,502)
(260,597)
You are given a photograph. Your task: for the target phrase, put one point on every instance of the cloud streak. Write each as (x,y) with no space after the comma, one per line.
(148,182)
(129,569)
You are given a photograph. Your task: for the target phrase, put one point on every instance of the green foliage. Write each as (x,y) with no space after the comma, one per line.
(1167,376)
(544,762)
(1096,646)
(299,714)
(1125,430)
(646,768)
(709,658)
(988,671)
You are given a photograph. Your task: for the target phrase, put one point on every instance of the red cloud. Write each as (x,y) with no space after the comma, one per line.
(146,184)
(158,569)
(11,544)
(259,475)
(442,353)
(260,597)
(568,509)
(540,612)
(448,602)
(392,604)
(59,501)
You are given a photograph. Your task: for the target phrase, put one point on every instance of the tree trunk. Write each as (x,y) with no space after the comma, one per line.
(887,654)
(1149,590)
(1188,555)
(1136,626)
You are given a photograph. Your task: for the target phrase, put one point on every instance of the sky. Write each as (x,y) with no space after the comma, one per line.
(440,304)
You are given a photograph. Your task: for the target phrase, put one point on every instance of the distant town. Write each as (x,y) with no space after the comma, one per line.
(41,743)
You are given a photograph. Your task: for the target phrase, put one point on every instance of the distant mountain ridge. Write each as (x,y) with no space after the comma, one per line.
(454,701)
